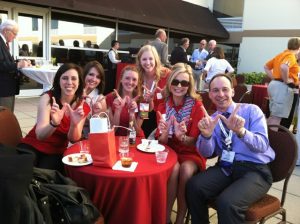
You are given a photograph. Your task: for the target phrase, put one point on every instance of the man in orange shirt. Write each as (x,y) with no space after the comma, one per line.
(283,70)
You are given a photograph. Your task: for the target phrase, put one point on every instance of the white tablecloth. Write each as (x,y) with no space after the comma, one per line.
(43,75)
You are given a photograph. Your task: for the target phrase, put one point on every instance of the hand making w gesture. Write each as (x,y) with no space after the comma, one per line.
(56,113)
(164,125)
(207,124)
(77,114)
(234,122)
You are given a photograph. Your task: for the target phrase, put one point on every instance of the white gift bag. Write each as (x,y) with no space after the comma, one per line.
(99,124)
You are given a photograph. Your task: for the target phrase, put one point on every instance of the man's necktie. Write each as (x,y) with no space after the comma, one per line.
(225,166)
(7,46)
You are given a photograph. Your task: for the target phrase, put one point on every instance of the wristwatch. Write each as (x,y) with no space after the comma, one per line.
(242,134)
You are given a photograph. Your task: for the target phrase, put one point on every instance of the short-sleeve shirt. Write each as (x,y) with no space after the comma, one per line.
(287,57)
(186,152)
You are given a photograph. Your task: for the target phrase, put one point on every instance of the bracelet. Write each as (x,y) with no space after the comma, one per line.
(53,125)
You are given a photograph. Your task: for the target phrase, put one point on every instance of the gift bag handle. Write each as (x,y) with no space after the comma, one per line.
(106,115)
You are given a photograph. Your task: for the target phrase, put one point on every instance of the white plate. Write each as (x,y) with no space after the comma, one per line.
(152,149)
(65,160)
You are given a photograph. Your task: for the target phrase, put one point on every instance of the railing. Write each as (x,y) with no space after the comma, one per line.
(232,24)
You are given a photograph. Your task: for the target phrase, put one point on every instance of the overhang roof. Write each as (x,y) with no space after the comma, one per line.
(175,15)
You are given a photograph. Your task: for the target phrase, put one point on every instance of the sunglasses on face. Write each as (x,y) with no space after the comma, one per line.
(183,83)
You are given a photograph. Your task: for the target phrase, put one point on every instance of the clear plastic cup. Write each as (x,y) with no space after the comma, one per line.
(84,147)
(123,144)
(126,159)
(161,156)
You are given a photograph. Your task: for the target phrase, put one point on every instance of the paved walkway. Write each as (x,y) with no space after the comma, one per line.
(26,112)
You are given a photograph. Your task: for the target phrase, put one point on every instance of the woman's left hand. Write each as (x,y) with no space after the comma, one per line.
(76,115)
(180,128)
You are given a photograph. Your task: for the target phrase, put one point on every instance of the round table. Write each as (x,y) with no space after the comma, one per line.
(127,197)
(43,75)
(259,93)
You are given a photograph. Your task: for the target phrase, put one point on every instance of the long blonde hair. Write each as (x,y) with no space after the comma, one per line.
(182,68)
(157,67)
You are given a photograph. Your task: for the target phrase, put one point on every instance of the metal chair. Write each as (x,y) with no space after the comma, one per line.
(10,131)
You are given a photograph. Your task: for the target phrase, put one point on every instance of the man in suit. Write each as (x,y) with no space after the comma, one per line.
(179,54)
(9,76)
(162,48)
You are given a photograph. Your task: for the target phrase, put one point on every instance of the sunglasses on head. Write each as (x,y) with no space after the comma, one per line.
(183,83)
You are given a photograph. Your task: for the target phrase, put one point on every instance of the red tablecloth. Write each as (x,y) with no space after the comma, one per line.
(120,66)
(259,93)
(127,197)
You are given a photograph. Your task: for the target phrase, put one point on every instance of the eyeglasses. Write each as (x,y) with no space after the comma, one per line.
(14,33)
(183,83)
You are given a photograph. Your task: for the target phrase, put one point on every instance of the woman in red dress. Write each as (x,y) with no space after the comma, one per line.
(177,121)
(122,104)
(154,78)
(60,117)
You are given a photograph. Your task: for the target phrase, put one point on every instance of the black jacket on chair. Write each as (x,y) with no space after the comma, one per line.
(9,79)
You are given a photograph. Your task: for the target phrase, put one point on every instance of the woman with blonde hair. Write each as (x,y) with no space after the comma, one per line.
(154,78)
(182,111)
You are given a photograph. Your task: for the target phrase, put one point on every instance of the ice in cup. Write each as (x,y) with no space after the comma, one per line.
(126,159)
(123,144)
(161,156)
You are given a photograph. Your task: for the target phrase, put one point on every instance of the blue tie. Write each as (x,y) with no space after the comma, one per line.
(225,166)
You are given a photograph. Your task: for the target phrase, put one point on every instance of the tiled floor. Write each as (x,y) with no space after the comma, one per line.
(26,111)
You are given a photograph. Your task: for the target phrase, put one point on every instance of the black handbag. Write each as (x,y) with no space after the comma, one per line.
(60,200)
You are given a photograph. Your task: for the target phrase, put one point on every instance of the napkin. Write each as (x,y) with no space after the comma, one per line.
(149,144)
(118,166)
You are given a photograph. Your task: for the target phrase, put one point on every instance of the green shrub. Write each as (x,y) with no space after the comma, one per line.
(254,77)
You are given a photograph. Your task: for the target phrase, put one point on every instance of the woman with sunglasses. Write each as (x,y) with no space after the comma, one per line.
(177,121)
(122,104)
(93,76)
(154,78)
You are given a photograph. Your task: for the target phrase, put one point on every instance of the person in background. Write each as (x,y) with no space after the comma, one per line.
(94,79)
(154,78)
(123,103)
(24,51)
(113,60)
(9,69)
(211,47)
(238,134)
(60,118)
(179,54)
(199,54)
(75,54)
(161,47)
(283,70)
(179,130)
(217,64)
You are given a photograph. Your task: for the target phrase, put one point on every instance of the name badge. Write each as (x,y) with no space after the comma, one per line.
(228,156)
(159,96)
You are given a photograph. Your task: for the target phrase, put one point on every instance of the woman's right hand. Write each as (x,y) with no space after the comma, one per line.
(57,114)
